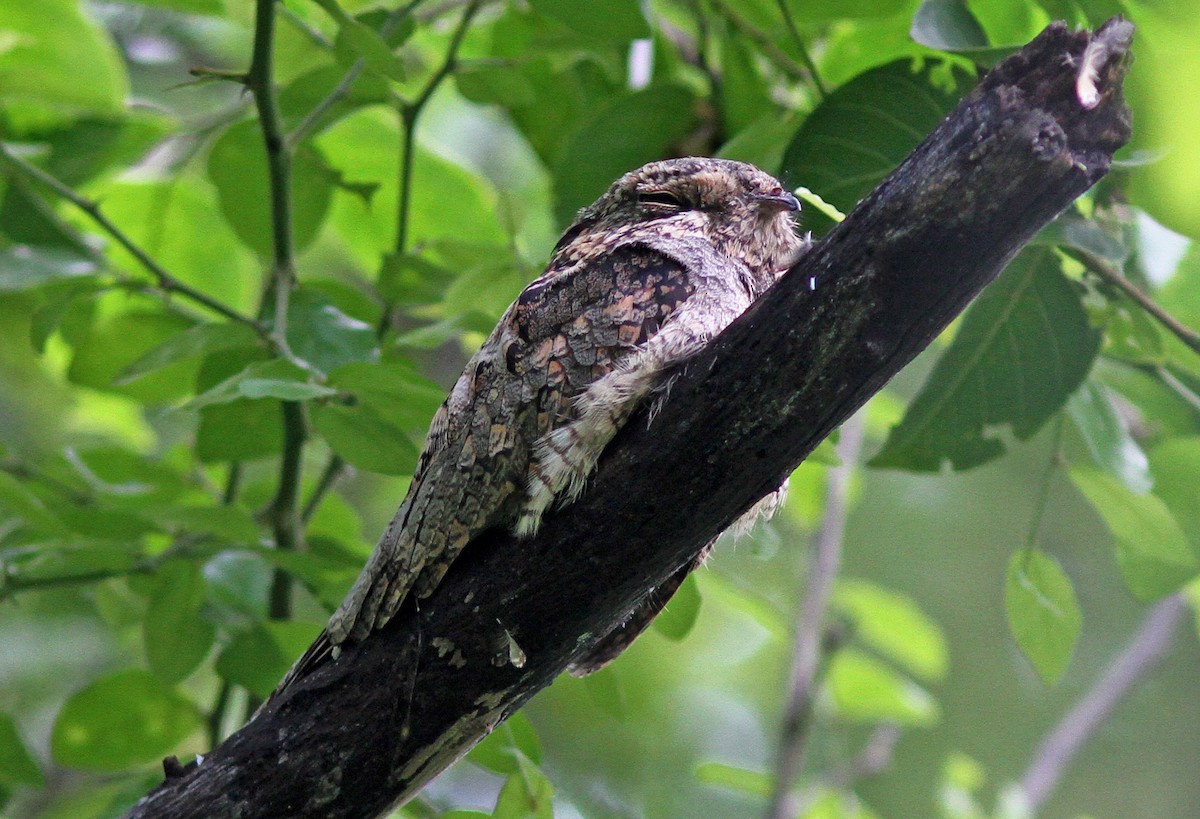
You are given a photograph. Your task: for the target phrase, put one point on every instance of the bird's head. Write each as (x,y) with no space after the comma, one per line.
(743,211)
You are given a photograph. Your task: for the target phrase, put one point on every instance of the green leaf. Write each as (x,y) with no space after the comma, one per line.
(500,750)
(23,267)
(239,582)
(604,688)
(364,438)
(30,219)
(328,575)
(862,131)
(495,84)
(231,523)
(89,147)
(177,638)
(679,615)
(1168,65)
(308,90)
(394,390)
(275,378)
(124,718)
(257,659)
(746,93)
(240,429)
(17,765)
(1152,552)
(611,21)
(866,690)
(1129,333)
(210,7)
(719,775)
(237,166)
(1024,346)
(1042,611)
(180,222)
(526,794)
(190,343)
(1175,463)
(893,625)
(357,41)
(947,25)
(628,132)
(113,345)
(827,802)
(323,335)
(53,53)
(1107,437)
(55,308)
(19,500)
(448,201)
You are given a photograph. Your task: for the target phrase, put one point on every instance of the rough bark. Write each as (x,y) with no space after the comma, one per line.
(365,732)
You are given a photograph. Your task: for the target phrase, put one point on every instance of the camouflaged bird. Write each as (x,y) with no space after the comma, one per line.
(660,264)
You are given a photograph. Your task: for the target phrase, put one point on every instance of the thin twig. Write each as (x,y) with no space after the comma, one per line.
(1109,273)
(313,120)
(785,63)
(260,80)
(25,472)
(166,281)
(806,645)
(1186,393)
(329,475)
(790,22)
(875,756)
(304,28)
(10,585)
(1140,656)
(286,524)
(284,509)
(410,112)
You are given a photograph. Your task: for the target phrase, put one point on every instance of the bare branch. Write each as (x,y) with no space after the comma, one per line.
(166,281)
(284,512)
(798,41)
(1109,273)
(409,114)
(315,118)
(810,623)
(1141,655)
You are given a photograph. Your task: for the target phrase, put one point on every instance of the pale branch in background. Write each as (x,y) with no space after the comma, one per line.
(1141,655)
(825,558)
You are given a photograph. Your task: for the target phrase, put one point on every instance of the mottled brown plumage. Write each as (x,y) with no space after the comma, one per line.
(661,263)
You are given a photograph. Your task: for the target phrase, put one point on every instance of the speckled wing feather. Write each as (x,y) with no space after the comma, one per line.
(568,329)
(657,266)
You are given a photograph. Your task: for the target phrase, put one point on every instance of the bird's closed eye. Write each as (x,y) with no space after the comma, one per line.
(662,199)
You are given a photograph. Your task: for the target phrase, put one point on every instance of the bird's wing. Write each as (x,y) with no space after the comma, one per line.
(568,328)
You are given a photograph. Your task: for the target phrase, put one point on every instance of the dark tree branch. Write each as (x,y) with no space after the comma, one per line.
(368,730)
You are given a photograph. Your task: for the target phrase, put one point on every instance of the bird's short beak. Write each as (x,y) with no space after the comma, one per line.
(775,204)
